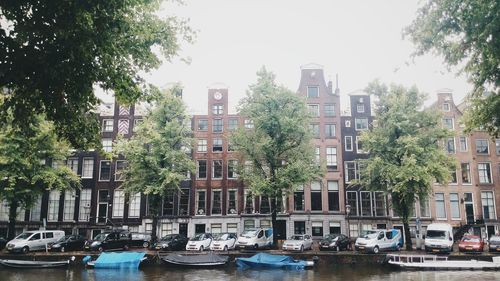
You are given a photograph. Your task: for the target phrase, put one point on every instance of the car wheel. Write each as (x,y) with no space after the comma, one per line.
(201,248)
(225,248)
(376,250)
(256,246)
(100,249)
(26,250)
(145,244)
(125,247)
(302,248)
(62,249)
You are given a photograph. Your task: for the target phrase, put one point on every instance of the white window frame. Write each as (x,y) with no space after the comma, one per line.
(134,205)
(87,168)
(53,205)
(106,127)
(455,203)
(229,213)
(107,144)
(85,204)
(197,202)
(116,170)
(72,163)
(345,143)
(316,112)
(100,167)
(362,123)
(464,142)
(233,164)
(118,203)
(360,106)
(359,151)
(202,145)
(222,169)
(444,206)
(490,176)
(198,169)
(446,107)
(69,206)
(492,200)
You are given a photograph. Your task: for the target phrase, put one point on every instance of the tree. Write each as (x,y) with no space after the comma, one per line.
(405,155)
(157,157)
(466,33)
(279,146)
(52,54)
(24,174)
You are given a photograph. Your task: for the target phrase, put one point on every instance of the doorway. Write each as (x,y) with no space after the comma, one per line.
(469,207)
(102,207)
(183,229)
(199,228)
(280,229)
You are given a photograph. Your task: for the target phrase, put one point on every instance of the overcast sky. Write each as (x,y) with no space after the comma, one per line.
(358,40)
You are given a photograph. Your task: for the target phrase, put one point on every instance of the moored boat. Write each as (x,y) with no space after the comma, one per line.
(196,260)
(130,260)
(273,261)
(34,264)
(433,262)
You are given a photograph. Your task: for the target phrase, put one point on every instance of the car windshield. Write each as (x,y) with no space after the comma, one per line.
(64,238)
(198,237)
(24,236)
(331,237)
(167,238)
(436,234)
(495,238)
(471,239)
(249,233)
(369,234)
(221,237)
(101,236)
(297,237)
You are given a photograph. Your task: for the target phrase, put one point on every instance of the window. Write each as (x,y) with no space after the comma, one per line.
(69,206)
(232,124)
(120,167)
(249,206)
(217,169)
(317,155)
(230,146)
(482,147)
(217,125)
(107,145)
(329,110)
(352,200)
(166,228)
(488,202)
(463,144)
(232,166)
(202,145)
(216,202)
(137,123)
(107,125)
(333,196)
(202,169)
(497,146)
(53,211)
(217,145)
(330,130)
(200,202)
(313,110)
(248,124)
(446,107)
(331,157)
(248,224)
(168,204)
(217,109)
(454,206)
(85,199)
(134,205)
(105,170)
(314,128)
(216,227)
(36,209)
(265,205)
(72,163)
(465,167)
(232,228)
(334,227)
(453,179)
(359,145)
(450,145)
(366,201)
(299,227)
(317,228)
(316,202)
(312,91)
(360,108)
(484,172)
(361,124)
(353,230)
(184,201)
(298,199)
(118,203)
(440,208)
(348,143)
(232,202)
(352,171)
(347,123)
(202,125)
(448,123)
(123,126)
(380,204)
(88,168)
(425,209)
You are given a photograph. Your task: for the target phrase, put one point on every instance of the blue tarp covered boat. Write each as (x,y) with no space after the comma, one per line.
(118,260)
(272,261)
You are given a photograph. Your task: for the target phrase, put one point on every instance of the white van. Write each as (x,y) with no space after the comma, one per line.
(379,240)
(255,238)
(439,238)
(34,240)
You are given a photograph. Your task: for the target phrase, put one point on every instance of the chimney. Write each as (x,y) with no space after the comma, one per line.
(337,91)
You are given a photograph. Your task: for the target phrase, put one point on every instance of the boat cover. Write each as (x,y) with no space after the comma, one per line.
(272,261)
(209,259)
(119,260)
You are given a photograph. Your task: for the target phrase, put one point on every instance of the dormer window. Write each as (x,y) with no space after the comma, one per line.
(446,107)
(360,108)
(312,91)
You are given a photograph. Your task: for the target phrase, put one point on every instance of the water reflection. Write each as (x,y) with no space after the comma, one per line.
(103,274)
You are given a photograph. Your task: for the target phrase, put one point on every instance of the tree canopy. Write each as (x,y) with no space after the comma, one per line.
(467,34)
(278,148)
(405,153)
(157,155)
(53,53)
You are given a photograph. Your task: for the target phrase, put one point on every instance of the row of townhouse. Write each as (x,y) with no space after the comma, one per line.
(214,200)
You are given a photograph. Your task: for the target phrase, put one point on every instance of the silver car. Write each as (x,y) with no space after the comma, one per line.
(298,243)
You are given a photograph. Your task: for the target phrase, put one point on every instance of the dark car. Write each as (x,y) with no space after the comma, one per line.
(3,243)
(109,240)
(172,242)
(68,243)
(494,244)
(140,240)
(336,242)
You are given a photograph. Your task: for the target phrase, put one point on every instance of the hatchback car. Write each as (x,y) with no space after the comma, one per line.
(337,242)
(140,240)
(199,242)
(298,243)
(172,242)
(494,244)
(223,242)
(109,240)
(68,243)
(471,243)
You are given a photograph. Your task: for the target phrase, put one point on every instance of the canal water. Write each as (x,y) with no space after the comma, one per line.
(323,273)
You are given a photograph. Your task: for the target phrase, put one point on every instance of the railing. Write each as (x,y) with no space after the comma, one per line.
(416,258)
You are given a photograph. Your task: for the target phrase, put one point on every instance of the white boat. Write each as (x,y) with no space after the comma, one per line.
(434,262)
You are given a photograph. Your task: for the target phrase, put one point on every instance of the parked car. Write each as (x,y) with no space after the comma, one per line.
(379,240)
(140,240)
(172,242)
(298,243)
(68,243)
(439,238)
(471,243)
(223,242)
(199,242)
(255,238)
(34,240)
(336,242)
(3,243)
(494,244)
(108,240)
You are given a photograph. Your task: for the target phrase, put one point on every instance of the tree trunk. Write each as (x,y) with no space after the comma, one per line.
(273,218)
(409,246)
(12,219)
(154,208)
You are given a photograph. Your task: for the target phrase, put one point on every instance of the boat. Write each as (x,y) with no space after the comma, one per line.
(35,264)
(434,262)
(130,260)
(273,261)
(196,260)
